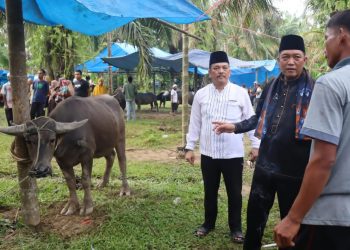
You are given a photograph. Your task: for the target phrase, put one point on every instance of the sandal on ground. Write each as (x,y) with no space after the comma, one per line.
(237,237)
(202,231)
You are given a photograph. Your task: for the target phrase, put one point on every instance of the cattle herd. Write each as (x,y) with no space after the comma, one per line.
(151,99)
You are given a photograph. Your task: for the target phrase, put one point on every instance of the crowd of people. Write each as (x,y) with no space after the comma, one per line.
(43,93)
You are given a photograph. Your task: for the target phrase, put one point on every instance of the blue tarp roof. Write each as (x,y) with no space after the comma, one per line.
(242,72)
(247,76)
(124,50)
(95,17)
(3,76)
(197,58)
(96,65)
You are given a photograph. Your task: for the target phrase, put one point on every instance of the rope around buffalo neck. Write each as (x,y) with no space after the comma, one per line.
(14,186)
(38,129)
(25,160)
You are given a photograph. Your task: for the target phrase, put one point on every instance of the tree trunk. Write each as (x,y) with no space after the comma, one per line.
(18,78)
(185,80)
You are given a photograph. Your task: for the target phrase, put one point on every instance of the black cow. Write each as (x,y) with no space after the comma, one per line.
(118,94)
(99,132)
(162,97)
(146,98)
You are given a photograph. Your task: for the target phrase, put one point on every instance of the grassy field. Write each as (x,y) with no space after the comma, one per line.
(165,207)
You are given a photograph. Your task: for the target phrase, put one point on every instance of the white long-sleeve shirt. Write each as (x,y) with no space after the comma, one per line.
(232,104)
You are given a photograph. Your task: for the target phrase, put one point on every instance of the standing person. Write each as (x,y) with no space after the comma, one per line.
(54,92)
(40,91)
(253,92)
(284,152)
(6,91)
(99,89)
(220,154)
(258,93)
(30,93)
(81,87)
(130,93)
(174,99)
(322,207)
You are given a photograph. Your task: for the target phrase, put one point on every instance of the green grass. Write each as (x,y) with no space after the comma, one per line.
(148,219)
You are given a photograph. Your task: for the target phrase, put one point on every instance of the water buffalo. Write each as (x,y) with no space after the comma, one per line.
(162,97)
(118,94)
(146,98)
(190,97)
(77,130)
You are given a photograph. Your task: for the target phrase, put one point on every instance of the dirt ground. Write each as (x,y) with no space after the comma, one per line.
(161,155)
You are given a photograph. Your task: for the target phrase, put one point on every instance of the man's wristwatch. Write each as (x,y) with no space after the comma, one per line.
(186,150)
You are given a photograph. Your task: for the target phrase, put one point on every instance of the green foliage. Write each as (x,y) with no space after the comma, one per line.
(56,49)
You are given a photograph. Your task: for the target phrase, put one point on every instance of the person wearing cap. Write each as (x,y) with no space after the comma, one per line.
(6,91)
(222,154)
(284,151)
(174,99)
(321,211)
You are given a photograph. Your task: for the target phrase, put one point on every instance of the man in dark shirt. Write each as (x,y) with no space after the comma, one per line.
(40,91)
(284,152)
(81,87)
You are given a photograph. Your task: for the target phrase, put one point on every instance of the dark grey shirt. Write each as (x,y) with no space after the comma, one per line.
(328,119)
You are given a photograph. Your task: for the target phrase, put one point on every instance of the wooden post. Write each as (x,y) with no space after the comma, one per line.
(195,79)
(17,60)
(185,79)
(154,82)
(109,46)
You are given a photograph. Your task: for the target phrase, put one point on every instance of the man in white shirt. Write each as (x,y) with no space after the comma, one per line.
(6,91)
(220,153)
(174,99)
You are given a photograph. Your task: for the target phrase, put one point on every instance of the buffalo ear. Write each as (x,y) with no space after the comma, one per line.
(64,127)
(14,130)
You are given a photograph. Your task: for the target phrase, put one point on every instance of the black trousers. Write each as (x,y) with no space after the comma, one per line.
(174,106)
(9,116)
(231,169)
(312,237)
(37,110)
(265,185)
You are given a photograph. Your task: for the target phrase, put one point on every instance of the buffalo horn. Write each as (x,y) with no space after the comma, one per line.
(14,130)
(64,127)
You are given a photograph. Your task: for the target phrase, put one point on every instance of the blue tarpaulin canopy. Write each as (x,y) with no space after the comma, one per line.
(242,72)
(258,71)
(124,50)
(95,17)
(96,65)
(3,76)
(197,58)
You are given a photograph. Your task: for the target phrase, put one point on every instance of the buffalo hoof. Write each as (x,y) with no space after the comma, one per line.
(86,210)
(70,208)
(125,191)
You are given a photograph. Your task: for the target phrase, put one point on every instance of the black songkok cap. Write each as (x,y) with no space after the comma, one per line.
(218,57)
(292,42)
